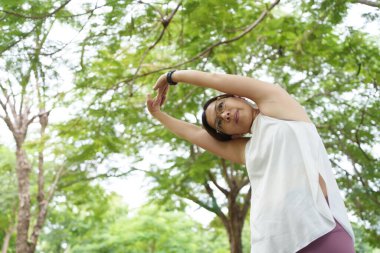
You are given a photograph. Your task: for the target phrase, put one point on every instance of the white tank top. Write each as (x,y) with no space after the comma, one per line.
(288,211)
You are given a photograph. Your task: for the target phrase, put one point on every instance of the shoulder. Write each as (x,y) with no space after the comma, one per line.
(283,106)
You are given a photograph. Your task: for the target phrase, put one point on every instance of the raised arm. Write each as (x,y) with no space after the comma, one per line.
(232,150)
(271,99)
(258,91)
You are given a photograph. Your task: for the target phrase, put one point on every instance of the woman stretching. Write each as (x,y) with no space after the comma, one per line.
(297,206)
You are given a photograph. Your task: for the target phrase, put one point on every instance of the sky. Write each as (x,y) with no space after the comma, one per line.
(134,188)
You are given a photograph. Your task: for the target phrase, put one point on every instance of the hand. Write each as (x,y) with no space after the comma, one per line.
(154,105)
(162,86)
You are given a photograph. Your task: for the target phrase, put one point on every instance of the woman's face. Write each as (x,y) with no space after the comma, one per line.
(231,115)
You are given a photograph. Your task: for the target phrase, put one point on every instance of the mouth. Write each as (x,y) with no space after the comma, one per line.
(237,116)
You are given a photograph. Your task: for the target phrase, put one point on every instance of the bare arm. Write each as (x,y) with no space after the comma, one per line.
(271,99)
(232,150)
(258,91)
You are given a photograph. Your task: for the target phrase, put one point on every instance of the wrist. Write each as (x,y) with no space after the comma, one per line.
(169,78)
(157,114)
(179,76)
(184,76)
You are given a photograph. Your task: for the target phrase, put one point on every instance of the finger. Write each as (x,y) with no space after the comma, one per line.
(163,90)
(161,81)
(159,92)
(157,85)
(163,100)
(157,100)
(148,97)
(149,100)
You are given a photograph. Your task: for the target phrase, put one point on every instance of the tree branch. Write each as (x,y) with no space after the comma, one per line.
(225,173)
(43,209)
(6,118)
(243,183)
(8,234)
(221,215)
(152,6)
(38,115)
(11,92)
(41,16)
(357,138)
(53,186)
(207,50)
(199,202)
(212,178)
(247,202)
(19,40)
(68,43)
(86,12)
(364,182)
(210,192)
(369,3)
(104,175)
(165,23)
(12,108)
(41,200)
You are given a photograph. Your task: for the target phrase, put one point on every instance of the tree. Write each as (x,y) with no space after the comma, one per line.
(24,99)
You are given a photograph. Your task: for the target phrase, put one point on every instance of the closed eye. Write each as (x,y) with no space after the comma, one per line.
(218,124)
(220,107)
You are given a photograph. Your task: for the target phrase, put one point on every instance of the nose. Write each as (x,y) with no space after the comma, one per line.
(226,115)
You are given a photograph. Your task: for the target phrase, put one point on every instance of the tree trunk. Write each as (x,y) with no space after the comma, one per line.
(23,170)
(237,209)
(234,236)
(234,228)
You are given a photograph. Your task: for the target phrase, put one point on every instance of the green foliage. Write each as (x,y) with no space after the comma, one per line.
(109,226)
(77,211)
(361,242)
(8,194)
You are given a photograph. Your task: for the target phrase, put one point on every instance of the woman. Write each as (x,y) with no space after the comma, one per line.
(297,206)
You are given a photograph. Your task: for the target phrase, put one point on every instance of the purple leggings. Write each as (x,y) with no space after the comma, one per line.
(335,241)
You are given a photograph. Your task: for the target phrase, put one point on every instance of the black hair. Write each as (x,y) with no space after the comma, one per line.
(219,136)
